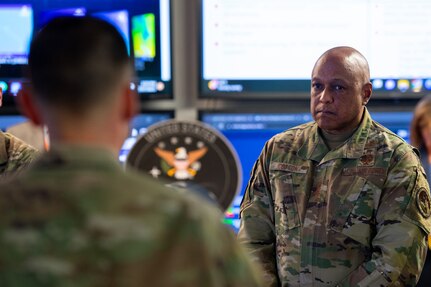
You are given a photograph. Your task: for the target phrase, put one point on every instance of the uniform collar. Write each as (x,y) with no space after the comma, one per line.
(315,149)
(79,156)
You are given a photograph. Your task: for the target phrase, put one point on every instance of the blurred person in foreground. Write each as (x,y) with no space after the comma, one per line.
(15,155)
(75,218)
(341,201)
(420,137)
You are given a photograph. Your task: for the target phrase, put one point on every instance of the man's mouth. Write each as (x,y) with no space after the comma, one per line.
(325,112)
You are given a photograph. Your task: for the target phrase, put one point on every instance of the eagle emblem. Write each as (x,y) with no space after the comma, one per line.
(181,164)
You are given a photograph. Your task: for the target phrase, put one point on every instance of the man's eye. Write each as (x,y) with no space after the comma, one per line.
(338,88)
(316,86)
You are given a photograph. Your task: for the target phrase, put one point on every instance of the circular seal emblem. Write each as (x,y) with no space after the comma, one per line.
(423,202)
(189,155)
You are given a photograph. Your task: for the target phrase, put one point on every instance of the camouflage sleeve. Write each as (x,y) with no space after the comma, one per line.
(402,224)
(19,154)
(21,158)
(257,223)
(240,270)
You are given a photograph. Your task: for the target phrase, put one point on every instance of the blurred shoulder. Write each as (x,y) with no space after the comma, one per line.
(180,202)
(15,153)
(196,221)
(18,149)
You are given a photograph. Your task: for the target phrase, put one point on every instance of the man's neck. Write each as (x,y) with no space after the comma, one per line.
(84,141)
(335,140)
(104,137)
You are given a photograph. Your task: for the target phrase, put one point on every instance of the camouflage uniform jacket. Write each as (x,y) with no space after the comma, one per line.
(354,216)
(75,218)
(14,154)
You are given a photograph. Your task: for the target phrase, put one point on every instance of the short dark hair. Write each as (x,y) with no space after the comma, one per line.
(73,61)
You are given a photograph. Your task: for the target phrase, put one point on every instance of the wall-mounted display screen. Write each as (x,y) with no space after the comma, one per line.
(249,132)
(264,49)
(145,26)
(150,34)
(16,29)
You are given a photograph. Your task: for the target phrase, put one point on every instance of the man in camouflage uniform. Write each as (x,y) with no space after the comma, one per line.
(15,154)
(75,218)
(341,201)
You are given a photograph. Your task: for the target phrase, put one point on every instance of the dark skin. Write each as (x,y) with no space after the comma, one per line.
(340,88)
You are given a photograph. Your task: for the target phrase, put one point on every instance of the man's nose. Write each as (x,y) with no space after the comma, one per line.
(326,96)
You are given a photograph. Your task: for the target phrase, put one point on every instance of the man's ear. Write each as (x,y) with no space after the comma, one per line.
(367,91)
(28,106)
(1,97)
(130,103)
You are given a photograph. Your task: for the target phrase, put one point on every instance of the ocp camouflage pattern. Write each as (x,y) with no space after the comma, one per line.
(358,215)
(75,218)
(15,155)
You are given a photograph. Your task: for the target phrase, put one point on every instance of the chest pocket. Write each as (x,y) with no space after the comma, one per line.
(354,210)
(284,179)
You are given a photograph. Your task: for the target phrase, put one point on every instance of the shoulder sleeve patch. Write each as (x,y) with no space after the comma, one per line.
(423,202)
(418,210)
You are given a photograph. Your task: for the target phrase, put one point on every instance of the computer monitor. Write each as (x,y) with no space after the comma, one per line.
(16,28)
(151,42)
(248,134)
(150,47)
(267,49)
(16,22)
(139,126)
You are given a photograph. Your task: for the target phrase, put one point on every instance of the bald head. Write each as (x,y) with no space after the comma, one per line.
(340,88)
(353,60)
